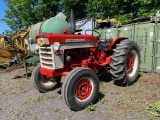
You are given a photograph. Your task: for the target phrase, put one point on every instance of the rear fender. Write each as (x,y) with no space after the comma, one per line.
(115,41)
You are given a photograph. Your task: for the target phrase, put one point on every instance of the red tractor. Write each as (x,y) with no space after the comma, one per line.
(79,58)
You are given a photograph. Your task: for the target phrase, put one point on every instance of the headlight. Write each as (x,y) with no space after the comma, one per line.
(37,47)
(56,46)
(42,41)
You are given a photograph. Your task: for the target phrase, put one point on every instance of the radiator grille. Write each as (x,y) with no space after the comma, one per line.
(46,57)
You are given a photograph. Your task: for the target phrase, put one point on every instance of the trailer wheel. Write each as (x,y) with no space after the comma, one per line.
(80,88)
(43,83)
(125,63)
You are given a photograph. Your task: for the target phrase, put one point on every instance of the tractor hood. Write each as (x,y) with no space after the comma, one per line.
(50,38)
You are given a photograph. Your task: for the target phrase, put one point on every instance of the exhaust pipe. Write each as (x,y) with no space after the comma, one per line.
(72,21)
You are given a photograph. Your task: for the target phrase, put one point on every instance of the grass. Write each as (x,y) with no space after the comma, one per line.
(103,100)
(34,100)
(39,99)
(56,109)
(154,109)
(91,107)
(141,73)
(50,97)
(20,113)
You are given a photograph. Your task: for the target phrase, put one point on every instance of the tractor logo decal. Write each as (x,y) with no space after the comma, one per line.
(75,40)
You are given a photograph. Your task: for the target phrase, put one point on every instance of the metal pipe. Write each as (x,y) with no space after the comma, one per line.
(72,21)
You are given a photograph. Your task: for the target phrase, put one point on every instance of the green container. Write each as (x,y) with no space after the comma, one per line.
(126,31)
(53,25)
(144,36)
(157,49)
(108,33)
(102,33)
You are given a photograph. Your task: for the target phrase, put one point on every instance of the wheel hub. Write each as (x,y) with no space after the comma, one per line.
(47,80)
(83,89)
(130,62)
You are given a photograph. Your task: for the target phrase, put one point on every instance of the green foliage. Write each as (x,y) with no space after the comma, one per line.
(34,100)
(141,73)
(9,33)
(56,109)
(103,100)
(123,10)
(23,13)
(91,107)
(154,109)
(78,6)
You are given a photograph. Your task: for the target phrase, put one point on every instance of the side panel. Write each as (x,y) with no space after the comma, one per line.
(126,31)
(59,60)
(157,50)
(108,33)
(145,37)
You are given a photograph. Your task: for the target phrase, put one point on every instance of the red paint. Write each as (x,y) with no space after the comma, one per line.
(61,38)
(86,57)
(130,62)
(83,89)
(50,73)
(115,41)
(81,57)
(65,73)
(64,31)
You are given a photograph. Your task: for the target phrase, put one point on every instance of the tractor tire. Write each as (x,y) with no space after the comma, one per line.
(125,63)
(43,83)
(80,88)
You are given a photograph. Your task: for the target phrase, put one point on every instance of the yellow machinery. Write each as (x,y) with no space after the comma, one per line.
(7,53)
(113,20)
(107,22)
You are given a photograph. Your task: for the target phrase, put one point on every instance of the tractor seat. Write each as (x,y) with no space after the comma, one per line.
(103,44)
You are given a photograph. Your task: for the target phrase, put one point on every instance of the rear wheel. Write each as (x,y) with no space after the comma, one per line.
(42,82)
(125,63)
(80,88)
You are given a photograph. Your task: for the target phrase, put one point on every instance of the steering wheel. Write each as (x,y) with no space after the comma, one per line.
(98,36)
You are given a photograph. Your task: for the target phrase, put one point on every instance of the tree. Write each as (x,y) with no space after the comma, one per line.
(78,6)
(124,10)
(147,7)
(23,13)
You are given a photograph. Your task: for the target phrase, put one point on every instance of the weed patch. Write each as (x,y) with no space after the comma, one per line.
(34,100)
(91,107)
(154,109)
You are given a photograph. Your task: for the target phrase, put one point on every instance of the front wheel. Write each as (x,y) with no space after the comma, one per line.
(42,82)
(80,88)
(125,63)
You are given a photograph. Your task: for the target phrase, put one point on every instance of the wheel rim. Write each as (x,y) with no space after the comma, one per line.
(83,89)
(132,63)
(47,81)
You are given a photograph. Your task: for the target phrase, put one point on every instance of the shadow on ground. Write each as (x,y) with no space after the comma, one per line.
(22,76)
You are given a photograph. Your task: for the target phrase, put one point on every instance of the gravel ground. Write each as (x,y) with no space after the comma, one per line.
(19,100)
